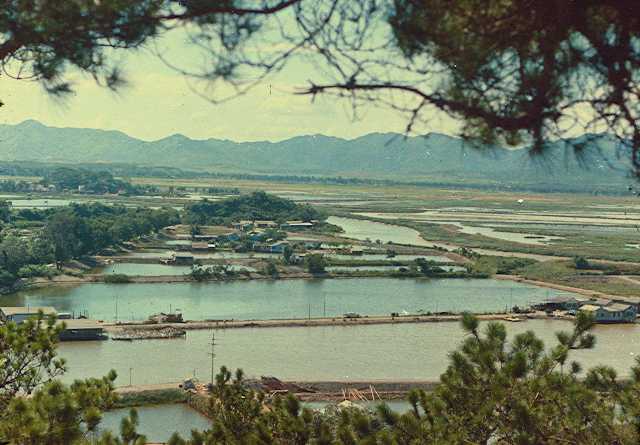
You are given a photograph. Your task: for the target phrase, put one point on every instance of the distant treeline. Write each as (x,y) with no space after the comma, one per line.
(255,206)
(563,184)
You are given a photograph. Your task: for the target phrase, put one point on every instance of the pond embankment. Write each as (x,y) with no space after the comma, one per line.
(310,322)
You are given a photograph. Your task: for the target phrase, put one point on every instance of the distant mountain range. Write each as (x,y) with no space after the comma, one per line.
(434,157)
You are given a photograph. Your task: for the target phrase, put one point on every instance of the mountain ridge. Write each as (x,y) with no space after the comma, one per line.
(374,155)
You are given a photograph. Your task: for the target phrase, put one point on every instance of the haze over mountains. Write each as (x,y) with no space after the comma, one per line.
(385,156)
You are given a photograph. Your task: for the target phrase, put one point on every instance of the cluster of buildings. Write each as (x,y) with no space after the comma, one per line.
(602,309)
(75,328)
(258,234)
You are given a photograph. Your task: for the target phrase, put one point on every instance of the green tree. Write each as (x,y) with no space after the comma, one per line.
(14,253)
(316,263)
(287,254)
(59,231)
(581,262)
(5,210)
(271,269)
(53,413)
(428,268)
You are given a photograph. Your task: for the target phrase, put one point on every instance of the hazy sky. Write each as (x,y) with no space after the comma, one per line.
(159,102)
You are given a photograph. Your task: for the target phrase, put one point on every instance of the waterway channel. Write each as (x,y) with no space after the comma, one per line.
(373,231)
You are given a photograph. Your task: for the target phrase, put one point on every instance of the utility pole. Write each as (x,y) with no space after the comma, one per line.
(324,311)
(116,308)
(213,356)
(130,376)
(511,300)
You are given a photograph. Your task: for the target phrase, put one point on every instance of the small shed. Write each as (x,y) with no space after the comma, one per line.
(19,314)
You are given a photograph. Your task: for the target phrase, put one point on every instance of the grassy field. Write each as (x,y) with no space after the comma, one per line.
(601,278)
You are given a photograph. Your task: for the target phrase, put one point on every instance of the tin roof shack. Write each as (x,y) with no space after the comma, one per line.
(612,313)
(82,330)
(19,314)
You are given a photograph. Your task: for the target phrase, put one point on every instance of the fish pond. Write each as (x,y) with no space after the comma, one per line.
(392,352)
(158,422)
(273,299)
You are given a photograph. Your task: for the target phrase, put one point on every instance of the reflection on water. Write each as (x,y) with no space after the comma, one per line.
(158,422)
(267,299)
(401,351)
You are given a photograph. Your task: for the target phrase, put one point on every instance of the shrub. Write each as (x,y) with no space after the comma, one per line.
(581,262)
(35,270)
(316,263)
(117,278)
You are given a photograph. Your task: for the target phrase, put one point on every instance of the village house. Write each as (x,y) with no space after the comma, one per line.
(611,313)
(278,247)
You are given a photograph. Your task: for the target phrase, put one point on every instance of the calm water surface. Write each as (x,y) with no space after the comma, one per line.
(158,422)
(363,229)
(165,254)
(266,299)
(401,351)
